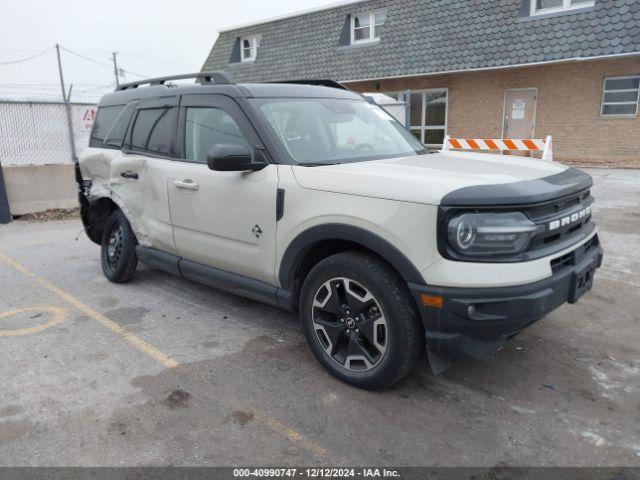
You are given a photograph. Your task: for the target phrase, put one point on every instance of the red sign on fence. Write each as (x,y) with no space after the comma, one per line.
(88,117)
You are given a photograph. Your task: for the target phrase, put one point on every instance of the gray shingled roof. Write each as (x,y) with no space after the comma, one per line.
(429,36)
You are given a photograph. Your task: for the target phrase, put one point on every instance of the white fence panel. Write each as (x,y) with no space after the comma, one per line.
(35,133)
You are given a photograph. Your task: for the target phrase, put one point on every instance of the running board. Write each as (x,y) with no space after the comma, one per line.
(215,277)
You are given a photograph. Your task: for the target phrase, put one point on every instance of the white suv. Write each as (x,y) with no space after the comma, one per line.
(311,198)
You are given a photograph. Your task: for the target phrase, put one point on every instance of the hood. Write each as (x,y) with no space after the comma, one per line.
(433,177)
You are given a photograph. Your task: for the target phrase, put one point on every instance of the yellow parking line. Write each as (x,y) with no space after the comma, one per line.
(87,310)
(293,435)
(271,423)
(59,315)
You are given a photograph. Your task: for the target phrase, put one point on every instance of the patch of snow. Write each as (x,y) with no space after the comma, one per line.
(594,438)
(522,410)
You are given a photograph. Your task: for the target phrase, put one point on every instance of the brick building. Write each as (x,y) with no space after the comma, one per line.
(469,68)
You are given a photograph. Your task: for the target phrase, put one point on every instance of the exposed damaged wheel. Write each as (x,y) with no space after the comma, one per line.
(118,256)
(360,320)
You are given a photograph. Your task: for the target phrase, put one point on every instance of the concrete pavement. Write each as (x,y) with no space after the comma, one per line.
(162,371)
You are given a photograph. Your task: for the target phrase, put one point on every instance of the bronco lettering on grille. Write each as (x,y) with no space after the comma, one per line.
(569,219)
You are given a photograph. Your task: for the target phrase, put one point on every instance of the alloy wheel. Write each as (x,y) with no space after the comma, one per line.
(349,324)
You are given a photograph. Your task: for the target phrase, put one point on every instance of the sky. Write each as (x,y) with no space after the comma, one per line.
(152,38)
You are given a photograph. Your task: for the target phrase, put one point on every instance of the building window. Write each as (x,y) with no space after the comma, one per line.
(248,48)
(427,115)
(366,27)
(620,96)
(539,7)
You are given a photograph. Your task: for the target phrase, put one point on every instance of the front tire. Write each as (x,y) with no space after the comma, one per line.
(118,254)
(360,320)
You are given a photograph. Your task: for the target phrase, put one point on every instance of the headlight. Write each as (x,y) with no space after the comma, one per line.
(485,234)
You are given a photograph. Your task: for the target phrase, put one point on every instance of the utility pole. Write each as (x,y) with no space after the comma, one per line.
(115,68)
(66,98)
(64,92)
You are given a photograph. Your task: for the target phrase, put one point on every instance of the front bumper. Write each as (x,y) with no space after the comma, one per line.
(474,322)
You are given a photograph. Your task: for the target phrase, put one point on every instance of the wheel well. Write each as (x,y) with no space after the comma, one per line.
(95,215)
(319,252)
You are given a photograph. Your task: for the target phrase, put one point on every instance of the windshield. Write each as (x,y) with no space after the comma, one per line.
(328,130)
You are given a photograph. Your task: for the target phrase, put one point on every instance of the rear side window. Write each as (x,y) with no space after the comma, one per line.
(104,121)
(206,127)
(152,130)
(116,133)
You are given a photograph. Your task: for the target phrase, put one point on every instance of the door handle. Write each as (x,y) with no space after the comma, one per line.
(129,174)
(186,184)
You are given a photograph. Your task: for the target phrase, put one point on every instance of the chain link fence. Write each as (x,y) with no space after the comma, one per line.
(36,133)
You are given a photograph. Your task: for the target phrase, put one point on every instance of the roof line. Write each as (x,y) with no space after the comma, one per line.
(482,69)
(291,15)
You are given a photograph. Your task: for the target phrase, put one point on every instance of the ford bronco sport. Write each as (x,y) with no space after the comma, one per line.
(310,198)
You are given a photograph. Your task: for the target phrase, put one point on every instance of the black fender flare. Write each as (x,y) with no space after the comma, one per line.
(305,241)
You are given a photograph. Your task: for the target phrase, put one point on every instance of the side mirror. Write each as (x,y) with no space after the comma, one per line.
(228,157)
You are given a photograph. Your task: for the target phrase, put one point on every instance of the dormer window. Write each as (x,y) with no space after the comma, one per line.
(365,27)
(540,7)
(248,48)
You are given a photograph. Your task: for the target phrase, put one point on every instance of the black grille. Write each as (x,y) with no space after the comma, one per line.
(572,258)
(557,210)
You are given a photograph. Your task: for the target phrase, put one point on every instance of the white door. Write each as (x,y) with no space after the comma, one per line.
(225,220)
(138,172)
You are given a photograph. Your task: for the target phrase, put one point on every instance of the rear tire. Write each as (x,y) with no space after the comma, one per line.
(360,320)
(118,255)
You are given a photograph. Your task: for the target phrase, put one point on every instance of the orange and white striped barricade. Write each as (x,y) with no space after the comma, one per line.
(502,144)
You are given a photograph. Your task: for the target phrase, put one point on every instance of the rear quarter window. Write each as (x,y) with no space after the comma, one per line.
(105,119)
(115,135)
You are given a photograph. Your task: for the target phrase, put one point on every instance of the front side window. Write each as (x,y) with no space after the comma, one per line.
(620,96)
(248,48)
(366,27)
(328,130)
(152,130)
(550,6)
(206,127)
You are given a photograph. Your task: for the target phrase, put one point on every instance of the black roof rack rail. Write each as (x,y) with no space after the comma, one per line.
(220,78)
(319,82)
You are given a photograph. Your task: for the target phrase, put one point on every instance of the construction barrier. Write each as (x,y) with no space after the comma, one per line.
(501,144)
